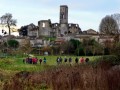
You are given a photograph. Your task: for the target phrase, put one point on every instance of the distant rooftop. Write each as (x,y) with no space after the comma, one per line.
(63,6)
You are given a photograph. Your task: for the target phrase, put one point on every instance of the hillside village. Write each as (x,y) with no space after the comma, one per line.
(62,31)
(59,55)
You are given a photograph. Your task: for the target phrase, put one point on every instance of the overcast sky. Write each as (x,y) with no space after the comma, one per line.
(87,13)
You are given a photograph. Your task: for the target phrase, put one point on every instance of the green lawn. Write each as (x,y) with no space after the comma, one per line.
(12,64)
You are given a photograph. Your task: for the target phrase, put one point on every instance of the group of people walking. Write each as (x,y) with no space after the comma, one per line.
(59,60)
(34,60)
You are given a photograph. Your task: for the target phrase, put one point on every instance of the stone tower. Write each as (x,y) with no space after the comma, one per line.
(63,20)
(44,27)
(63,14)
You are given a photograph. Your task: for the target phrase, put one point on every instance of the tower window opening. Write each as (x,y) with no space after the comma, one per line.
(43,24)
(62,16)
(69,25)
(55,24)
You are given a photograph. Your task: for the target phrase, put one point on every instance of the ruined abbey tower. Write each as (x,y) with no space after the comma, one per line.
(61,29)
(63,14)
(63,19)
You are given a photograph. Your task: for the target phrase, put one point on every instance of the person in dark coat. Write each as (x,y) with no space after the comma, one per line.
(30,60)
(76,60)
(58,60)
(87,60)
(70,60)
(23,60)
(65,60)
(40,61)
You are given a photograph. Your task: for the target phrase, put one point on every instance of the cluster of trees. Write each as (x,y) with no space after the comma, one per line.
(8,21)
(13,47)
(87,47)
(23,31)
(9,46)
(110,24)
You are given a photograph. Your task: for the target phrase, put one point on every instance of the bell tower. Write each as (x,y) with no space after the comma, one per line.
(63,20)
(63,14)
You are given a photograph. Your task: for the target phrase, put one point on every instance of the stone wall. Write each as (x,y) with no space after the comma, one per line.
(44,27)
(73,28)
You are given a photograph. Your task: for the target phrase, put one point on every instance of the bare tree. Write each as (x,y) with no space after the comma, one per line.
(8,21)
(108,26)
(116,16)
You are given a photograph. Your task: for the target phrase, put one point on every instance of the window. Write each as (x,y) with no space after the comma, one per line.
(62,16)
(76,25)
(56,24)
(43,24)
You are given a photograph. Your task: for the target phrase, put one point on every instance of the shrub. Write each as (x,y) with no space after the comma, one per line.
(79,77)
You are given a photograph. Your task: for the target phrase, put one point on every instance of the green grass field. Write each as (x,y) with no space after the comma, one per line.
(11,67)
(14,64)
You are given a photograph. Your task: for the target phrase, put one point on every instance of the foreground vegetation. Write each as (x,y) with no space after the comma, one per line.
(101,73)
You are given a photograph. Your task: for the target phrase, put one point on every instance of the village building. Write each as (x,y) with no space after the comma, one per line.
(62,31)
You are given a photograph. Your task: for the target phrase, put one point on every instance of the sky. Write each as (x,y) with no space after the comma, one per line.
(86,13)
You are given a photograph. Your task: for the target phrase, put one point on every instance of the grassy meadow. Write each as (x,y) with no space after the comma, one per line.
(15,64)
(12,65)
(16,75)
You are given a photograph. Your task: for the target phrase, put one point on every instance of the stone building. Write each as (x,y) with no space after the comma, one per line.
(74,28)
(29,30)
(63,28)
(44,27)
(90,31)
(55,30)
(32,30)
